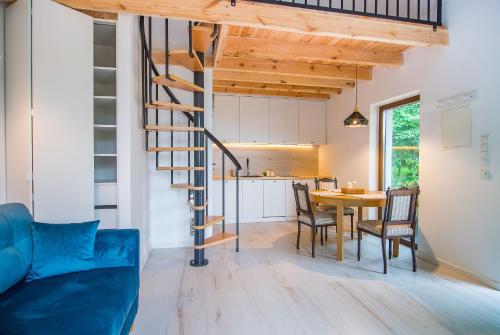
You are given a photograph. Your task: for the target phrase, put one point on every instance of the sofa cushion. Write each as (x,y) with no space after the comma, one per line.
(15,244)
(62,248)
(88,302)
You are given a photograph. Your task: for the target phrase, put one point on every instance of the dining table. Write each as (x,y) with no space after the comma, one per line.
(342,200)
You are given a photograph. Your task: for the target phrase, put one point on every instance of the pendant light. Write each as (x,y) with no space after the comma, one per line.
(356,119)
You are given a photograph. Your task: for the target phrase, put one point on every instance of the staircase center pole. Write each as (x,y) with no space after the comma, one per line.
(199,161)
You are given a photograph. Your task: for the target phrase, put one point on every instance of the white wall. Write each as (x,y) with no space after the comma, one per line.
(169,211)
(458,210)
(132,157)
(18,106)
(3,173)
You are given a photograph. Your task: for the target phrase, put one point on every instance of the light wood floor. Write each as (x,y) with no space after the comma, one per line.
(270,288)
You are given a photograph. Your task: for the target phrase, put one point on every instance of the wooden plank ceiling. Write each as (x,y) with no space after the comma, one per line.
(286,51)
(251,60)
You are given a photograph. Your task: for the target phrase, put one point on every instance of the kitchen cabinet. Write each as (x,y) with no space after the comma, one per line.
(252,205)
(274,198)
(284,121)
(227,118)
(290,206)
(312,122)
(254,120)
(230,199)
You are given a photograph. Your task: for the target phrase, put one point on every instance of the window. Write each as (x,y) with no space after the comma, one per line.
(399,140)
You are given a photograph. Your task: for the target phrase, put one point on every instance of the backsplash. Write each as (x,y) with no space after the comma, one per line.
(284,161)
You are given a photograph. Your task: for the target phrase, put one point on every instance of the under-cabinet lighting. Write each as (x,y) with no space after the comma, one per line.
(267,146)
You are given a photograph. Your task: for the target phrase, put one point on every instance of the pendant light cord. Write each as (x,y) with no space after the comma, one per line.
(356,85)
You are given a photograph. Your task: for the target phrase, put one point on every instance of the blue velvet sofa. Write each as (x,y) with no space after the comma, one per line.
(102,301)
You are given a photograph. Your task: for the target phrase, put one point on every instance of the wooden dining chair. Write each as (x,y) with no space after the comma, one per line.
(399,221)
(330,184)
(306,215)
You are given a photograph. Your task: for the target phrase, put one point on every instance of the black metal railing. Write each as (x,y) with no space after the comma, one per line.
(416,11)
(148,70)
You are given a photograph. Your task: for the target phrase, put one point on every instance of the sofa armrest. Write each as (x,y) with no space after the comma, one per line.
(116,247)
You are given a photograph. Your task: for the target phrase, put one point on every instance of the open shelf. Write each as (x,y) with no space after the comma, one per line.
(104,44)
(105,169)
(105,126)
(105,111)
(104,140)
(104,81)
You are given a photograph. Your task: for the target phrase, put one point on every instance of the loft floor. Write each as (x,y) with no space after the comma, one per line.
(270,288)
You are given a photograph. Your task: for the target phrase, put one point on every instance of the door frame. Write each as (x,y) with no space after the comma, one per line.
(381,138)
(380,154)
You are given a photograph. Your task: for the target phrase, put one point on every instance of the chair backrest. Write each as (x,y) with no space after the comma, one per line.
(302,200)
(325,183)
(401,206)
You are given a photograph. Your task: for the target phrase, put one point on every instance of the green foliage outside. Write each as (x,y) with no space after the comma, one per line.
(405,142)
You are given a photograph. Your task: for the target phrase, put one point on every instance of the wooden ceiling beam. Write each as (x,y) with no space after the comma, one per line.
(257,91)
(277,87)
(284,50)
(295,68)
(283,18)
(221,41)
(281,79)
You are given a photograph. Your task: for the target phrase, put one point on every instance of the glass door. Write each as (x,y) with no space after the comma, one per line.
(399,144)
(399,141)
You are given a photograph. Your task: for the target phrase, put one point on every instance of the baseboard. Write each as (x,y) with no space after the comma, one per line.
(464,272)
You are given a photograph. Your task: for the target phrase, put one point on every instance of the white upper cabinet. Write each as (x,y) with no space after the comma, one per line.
(254,120)
(227,118)
(284,121)
(312,122)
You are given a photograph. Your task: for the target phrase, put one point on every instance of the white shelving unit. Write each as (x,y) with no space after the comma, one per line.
(105,127)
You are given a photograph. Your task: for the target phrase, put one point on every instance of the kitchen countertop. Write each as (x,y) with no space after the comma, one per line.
(269,178)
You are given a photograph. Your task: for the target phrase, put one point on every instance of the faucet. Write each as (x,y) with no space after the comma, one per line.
(248,166)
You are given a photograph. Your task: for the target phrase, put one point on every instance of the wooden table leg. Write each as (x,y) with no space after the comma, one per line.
(360,217)
(395,251)
(340,231)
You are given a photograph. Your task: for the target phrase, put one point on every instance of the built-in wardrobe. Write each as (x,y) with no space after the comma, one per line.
(61,113)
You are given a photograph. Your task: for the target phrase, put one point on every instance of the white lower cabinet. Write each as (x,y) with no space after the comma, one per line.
(291,209)
(274,198)
(260,200)
(252,205)
(230,199)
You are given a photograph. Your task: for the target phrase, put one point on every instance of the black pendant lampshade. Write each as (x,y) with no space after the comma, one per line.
(356,119)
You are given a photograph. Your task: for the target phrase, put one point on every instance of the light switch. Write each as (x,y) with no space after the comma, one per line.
(484,155)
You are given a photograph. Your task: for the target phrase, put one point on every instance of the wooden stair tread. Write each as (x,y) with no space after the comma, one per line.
(173,106)
(180,168)
(202,38)
(172,128)
(177,82)
(188,187)
(161,149)
(199,208)
(182,58)
(209,221)
(217,239)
